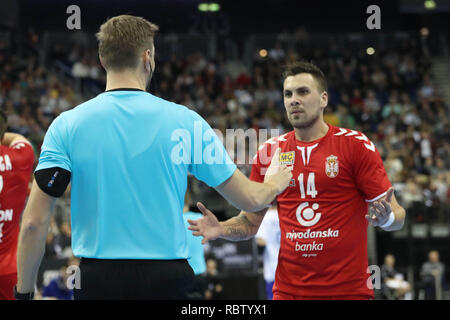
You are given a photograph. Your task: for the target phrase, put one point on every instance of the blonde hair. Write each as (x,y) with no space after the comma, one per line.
(121,40)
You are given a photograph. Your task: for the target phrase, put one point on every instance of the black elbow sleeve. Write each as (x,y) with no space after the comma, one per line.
(53,181)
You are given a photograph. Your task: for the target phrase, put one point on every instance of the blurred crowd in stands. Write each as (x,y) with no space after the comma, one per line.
(390,96)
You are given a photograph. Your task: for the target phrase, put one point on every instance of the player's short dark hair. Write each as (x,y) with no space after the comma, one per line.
(294,68)
(3,123)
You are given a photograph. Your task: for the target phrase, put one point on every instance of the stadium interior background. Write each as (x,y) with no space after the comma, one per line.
(226,66)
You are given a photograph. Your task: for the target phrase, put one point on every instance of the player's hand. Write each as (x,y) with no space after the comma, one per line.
(278,174)
(207,227)
(380,210)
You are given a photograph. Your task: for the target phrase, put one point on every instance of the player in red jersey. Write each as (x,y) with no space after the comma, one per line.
(339,185)
(16,165)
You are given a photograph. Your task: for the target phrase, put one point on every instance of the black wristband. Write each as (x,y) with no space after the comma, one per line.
(23,296)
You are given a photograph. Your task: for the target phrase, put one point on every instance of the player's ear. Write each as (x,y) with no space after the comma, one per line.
(101,61)
(324,99)
(147,57)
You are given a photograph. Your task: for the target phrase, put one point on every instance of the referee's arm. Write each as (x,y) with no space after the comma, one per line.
(253,196)
(32,236)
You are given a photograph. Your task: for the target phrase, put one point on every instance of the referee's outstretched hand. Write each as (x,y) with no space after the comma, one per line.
(278,174)
(208,227)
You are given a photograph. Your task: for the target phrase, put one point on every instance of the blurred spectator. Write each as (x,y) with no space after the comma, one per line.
(58,244)
(331,117)
(63,241)
(393,286)
(394,167)
(432,276)
(59,287)
(392,108)
(346,119)
(371,102)
(213,284)
(426,90)
(80,69)
(51,249)
(277,53)
(357,100)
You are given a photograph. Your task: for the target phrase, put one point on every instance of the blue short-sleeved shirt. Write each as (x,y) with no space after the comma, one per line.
(129,154)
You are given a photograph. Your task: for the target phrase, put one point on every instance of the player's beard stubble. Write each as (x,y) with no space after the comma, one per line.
(303,120)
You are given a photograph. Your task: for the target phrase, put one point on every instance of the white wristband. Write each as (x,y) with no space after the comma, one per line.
(390,221)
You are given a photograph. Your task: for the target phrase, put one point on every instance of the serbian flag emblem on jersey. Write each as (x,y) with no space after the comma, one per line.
(332,166)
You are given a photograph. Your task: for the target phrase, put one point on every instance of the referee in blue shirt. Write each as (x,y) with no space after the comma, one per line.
(127,155)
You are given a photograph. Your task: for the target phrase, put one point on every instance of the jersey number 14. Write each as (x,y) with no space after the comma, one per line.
(310,185)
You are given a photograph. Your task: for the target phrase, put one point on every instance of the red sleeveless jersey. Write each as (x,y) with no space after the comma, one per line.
(16,165)
(322,212)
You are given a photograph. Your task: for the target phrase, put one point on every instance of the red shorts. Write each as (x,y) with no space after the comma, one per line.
(7,283)
(285,296)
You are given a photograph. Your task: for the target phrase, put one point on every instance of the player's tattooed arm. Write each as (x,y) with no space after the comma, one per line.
(241,227)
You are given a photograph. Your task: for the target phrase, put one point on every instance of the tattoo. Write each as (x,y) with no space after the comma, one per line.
(240,228)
